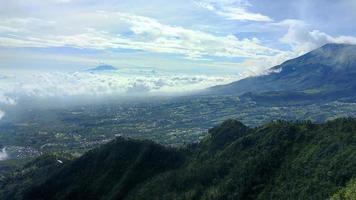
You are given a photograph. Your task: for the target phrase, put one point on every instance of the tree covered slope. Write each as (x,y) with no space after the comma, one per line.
(109,172)
(16,181)
(280,160)
(346,193)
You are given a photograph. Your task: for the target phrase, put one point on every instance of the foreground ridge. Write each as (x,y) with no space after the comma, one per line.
(280,160)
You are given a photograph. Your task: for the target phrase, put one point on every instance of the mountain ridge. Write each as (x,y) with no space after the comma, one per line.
(279,160)
(326,70)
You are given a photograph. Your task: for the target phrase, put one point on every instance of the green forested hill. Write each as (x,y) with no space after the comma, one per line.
(346,193)
(13,183)
(109,172)
(280,160)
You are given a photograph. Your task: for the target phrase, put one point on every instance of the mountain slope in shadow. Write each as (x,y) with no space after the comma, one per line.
(327,72)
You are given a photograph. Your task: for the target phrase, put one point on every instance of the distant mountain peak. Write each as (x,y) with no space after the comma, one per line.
(103,68)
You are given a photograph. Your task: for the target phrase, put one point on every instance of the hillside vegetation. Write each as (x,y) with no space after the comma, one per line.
(280,160)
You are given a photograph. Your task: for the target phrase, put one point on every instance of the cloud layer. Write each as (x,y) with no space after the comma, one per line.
(17,86)
(84,83)
(3,154)
(2,114)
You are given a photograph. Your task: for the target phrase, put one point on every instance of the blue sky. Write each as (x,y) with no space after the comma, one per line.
(186,36)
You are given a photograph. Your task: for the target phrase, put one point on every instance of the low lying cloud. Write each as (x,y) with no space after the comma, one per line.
(3,154)
(19,87)
(84,83)
(7,100)
(2,114)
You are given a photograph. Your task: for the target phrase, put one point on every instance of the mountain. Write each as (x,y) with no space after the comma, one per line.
(109,172)
(328,73)
(280,160)
(35,171)
(103,68)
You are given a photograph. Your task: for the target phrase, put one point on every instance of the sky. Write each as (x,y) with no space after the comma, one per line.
(188,36)
(159,46)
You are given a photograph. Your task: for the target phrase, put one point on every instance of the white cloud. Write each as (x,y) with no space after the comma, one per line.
(242,14)
(302,39)
(2,114)
(84,83)
(3,153)
(141,33)
(7,100)
(233,10)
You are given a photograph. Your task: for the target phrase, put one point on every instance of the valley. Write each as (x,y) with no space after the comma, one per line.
(172,122)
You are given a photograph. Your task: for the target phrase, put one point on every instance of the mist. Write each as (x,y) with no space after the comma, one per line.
(23,90)
(3,154)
